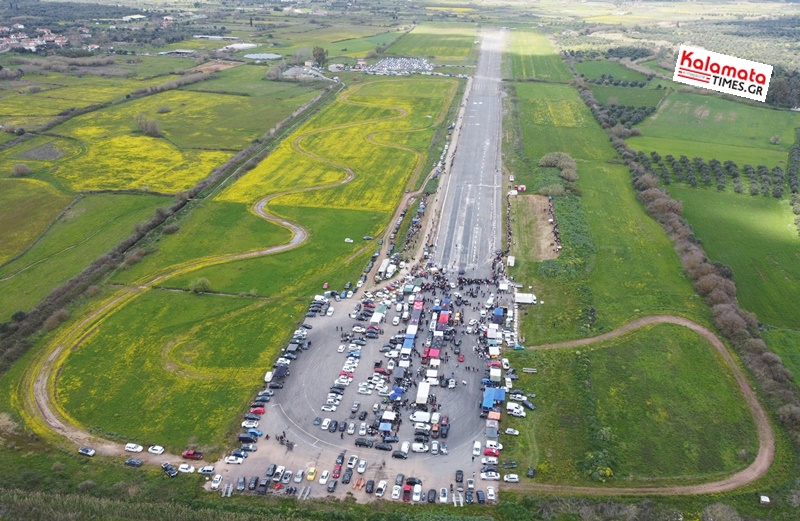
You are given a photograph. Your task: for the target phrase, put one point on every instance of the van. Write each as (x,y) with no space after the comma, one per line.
(420,416)
(435,417)
(247,438)
(268,377)
(419,447)
(404,448)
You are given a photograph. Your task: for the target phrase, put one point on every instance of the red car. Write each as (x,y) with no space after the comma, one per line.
(494,363)
(491,452)
(381,370)
(460,357)
(192,454)
(256,410)
(337,470)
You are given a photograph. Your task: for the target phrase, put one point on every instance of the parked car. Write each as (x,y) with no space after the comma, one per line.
(156,449)
(215,483)
(235,460)
(511,478)
(87,451)
(193,454)
(132,447)
(512,432)
(332,486)
(169,469)
(134,462)
(490,495)
(186,468)
(207,470)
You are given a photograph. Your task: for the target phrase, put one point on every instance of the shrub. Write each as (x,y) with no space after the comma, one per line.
(148,127)
(20,170)
(170,229)
(552,190)
(164,110)
(200,285)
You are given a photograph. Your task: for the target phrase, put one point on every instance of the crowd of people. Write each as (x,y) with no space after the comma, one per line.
(402,64)
(551,213)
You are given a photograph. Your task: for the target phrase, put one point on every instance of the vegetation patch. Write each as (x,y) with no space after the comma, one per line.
(632,96)
(442,43)
(600,69)
(533,57)
(656,405)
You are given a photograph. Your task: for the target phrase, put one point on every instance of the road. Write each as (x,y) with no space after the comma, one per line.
(470,226)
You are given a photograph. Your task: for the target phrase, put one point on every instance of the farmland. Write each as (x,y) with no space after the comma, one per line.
(757,238)
(89,229)
(532,56)
(37,201)
(440,43)
(638,97)
(667,403)
(358,39)
(597,68)
(632,269)
(712,127)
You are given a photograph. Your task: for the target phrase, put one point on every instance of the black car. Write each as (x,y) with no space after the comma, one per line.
(399,454)
(332,427)
(348,474)
(271,470)
(241,483)
(261,402)
(383,446)
(359,342)
(459,476)
(275,385)
(457,350)
(531,472)
(509,464)
(340,459)
(362,416)
(431,496)
(251,416)
(332,486)
(468,497)
(398,480)
(134,462)
(342,426)
(317,421)
(458,342)
(336,390)
(481,497)
(169,469)
(413,481)
(370,486)
(310,314)
(253,483)
(249,447)
(289,356)
(386,349)
(444,431)
(307,326)
(528,405)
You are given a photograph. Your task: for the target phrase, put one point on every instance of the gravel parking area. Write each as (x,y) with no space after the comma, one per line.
(292,410)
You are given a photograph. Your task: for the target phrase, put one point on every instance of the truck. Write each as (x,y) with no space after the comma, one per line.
(383,267)
(423,391)
(192,454)
(390,271)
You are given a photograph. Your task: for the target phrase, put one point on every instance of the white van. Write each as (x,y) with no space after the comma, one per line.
(405,447)
(396,321)
(435,417)
(268,377)
(420,416)
(419,447)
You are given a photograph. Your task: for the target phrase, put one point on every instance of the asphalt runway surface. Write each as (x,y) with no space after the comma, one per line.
(470,228)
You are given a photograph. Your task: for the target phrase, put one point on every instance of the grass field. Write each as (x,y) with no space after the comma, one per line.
(635,96)
(440,43)
(661,395)
(711,127)
(89,229)
(532,56)
(596,68)
(38,202)
(358,39)
(633,270)
(757,238)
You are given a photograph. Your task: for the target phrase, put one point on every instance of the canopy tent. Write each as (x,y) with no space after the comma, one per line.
(385,427)
(494,415)
(434,363)
(389,416)
(432,373)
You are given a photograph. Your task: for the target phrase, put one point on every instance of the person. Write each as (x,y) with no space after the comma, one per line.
(342,436)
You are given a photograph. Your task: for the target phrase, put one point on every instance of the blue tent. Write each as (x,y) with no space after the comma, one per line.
(499,395)
(385,427)
(488,399)
(408,343)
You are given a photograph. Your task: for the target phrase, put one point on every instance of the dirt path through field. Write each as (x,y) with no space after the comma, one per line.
(766,436)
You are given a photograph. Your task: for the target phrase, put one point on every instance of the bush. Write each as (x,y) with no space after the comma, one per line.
(170,229)
(200,285)
(148,127)
(552,190)
(20,170)
(164,110)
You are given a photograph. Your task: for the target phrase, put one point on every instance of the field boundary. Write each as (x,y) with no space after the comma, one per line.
(764,431)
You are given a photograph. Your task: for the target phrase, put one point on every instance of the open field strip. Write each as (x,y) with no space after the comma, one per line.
(37,393)
(715,128)
(597,68)
(440,43)
(654,385)
(636,96)
(532,56)
(38,202)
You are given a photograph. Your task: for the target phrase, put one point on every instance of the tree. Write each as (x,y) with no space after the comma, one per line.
(775,140)
(320,55)
(200,285)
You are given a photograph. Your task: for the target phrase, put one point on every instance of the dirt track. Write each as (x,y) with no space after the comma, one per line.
(766,436)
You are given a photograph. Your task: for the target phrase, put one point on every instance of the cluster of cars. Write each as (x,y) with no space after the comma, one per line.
(470,493)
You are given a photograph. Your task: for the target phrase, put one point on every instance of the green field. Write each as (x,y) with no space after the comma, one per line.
(358,39)
(38,202)
(638,97)
(661,395)
(632,270)
(596,68)
(89,229)
(757,238)
(532,56)
(440,43)
(712,127)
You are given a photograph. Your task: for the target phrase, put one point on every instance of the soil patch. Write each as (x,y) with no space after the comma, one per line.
(46,152)
(214,66)
(540,242)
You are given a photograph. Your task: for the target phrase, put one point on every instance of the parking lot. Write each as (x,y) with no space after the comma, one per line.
(290,414)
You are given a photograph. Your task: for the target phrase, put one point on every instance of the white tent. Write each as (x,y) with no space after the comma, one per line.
(388,416)
(524,298)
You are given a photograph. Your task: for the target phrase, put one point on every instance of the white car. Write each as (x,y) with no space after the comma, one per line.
(489,460)
(493,445)
(323,478)
(396,492)
(298,477)
(390,365)
(132,447)
(342,347)
(470,484)
(384,392)
(351,429)
(490,496)
(364,390)
(359,329)
(216,482)
(512,432)
(186,468)
(362,466)
(392,354)
(250,424)
(379,491)
(234,460)
(155,449)
(473,322)
(443,495)
(396,321)
(511,478)
(490,476)
(417,495)
(352,462)
(505,363)
(325,424)
(328,407)
(362,430)
(476,448)
(329,313)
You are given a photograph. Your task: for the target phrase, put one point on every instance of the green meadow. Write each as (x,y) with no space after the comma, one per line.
(533,57)
(442,43)
(638,97)
(597,68)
